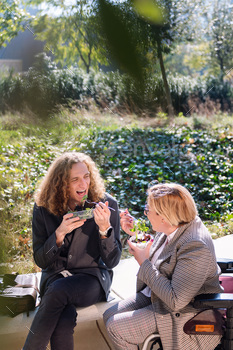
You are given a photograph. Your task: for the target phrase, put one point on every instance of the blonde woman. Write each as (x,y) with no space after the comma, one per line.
(177,266)
(76,256)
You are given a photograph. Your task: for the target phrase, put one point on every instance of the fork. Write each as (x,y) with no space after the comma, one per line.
(87,200)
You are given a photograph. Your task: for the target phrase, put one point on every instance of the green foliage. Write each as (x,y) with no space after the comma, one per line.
(150,10)
(140,225)
(194,159)
(208,25)
(128,157)
(221,33)
(44,88)
(11,20)
(132,34)
(120,38)
(129,160)
(71,35)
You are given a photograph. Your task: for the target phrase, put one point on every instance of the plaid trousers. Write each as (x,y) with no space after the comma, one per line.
(130,321)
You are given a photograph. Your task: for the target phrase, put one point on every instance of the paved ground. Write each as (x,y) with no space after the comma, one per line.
(224,247)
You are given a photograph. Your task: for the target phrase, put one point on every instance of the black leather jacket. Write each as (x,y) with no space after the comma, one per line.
(82,251)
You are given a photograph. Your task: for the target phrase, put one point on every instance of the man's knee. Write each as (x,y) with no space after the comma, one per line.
(56,292)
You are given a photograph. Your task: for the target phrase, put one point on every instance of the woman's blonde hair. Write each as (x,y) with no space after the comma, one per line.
(173,202)
(53,192)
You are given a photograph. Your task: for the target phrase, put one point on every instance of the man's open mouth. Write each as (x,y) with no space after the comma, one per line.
(81,192)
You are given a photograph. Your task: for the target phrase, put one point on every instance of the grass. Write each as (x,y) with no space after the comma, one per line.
(28,145)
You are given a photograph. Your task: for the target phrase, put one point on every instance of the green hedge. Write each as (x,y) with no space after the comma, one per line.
(43,88)
(199,160)
(129,159)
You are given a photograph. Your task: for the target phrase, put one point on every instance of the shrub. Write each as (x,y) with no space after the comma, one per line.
(43,88)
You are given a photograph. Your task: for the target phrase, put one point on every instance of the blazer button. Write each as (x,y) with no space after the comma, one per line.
(70,256)
(177,314)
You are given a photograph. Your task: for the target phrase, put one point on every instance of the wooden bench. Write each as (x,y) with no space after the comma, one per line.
(90,331)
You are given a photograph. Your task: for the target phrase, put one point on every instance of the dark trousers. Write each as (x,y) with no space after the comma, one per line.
(56,317)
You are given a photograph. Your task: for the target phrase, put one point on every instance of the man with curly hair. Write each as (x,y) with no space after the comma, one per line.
(76,255)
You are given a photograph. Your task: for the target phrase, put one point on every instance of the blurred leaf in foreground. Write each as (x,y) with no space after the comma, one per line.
(150,10)
(120,40)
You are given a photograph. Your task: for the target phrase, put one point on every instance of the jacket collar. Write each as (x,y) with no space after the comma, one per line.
(162,237)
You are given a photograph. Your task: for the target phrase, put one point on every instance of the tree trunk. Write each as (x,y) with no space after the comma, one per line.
(222,71)
(87,65)
(166,86)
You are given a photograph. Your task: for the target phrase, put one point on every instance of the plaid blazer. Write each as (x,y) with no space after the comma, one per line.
(186,267)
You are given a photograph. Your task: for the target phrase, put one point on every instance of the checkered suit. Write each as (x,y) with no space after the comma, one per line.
(185,268)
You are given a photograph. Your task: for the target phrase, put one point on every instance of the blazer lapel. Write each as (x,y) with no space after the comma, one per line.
(158,243)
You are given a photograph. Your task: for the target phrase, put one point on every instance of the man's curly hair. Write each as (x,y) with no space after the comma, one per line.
(53,192)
